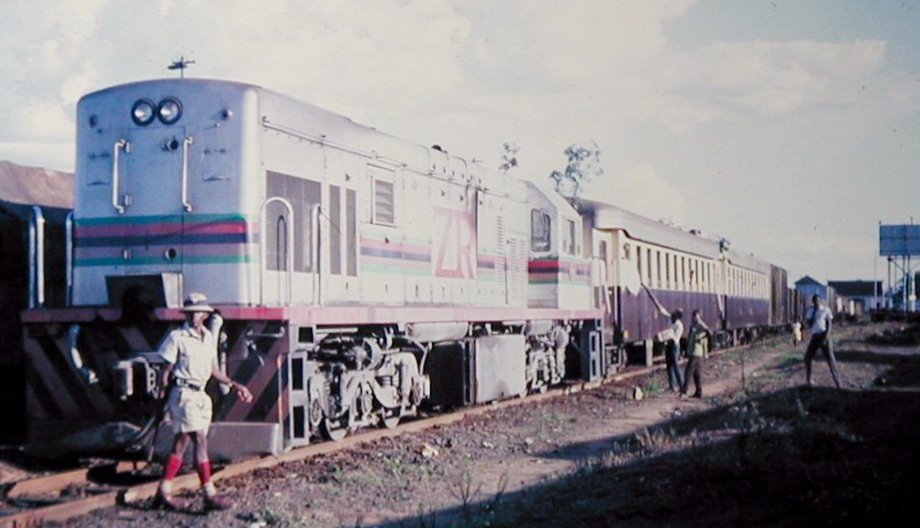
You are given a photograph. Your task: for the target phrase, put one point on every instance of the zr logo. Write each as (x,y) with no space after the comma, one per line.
(456,246)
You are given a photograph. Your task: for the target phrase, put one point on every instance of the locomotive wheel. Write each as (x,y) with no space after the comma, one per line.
(330,431)
(316,414)
(390,422)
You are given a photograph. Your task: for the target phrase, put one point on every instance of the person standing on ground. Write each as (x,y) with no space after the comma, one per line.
(672,348)
(191,358)
(696,336)
(796,333)
(819,318)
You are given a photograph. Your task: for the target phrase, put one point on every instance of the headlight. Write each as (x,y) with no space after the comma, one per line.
(142,112)
(170,110)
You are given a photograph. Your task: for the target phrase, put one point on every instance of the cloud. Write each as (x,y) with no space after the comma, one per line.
(769,78)
(640,189)
(677,126)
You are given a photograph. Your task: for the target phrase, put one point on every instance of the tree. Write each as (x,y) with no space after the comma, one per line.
(584,163)
(509,157)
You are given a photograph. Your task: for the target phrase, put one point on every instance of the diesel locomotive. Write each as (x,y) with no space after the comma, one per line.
(360,277)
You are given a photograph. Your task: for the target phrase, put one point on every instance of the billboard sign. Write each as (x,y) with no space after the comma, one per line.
(899,240)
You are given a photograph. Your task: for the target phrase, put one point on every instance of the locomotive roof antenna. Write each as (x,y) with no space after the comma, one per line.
(181,65)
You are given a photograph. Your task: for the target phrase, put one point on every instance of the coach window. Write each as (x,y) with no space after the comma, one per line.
(649,266)
(383,211)
(540,229)
(693,277)
(681,274)
(667,270)
(697,275)
(678,272)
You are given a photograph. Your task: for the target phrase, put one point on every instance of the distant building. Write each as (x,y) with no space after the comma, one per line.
(862,296)
(809,286)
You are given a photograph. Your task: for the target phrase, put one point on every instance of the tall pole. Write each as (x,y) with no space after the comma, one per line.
(911,286)
(889,301)
(875,284)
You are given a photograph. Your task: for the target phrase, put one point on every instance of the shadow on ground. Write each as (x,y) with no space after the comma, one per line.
(787,458)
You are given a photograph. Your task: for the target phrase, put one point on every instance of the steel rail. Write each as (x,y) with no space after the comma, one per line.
(59,481)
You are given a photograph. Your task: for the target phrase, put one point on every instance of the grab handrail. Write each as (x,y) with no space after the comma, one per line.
(68,254)
(121,144)
(315,235)
(185,144)
(263,250)
(36,258)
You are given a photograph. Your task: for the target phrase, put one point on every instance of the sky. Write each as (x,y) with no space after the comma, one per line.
(791,128)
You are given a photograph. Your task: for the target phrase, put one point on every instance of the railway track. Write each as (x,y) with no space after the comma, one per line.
(97,487)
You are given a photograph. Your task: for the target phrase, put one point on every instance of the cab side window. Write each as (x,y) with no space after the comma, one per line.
(540,229)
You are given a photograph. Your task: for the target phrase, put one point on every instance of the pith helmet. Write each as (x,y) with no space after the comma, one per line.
(196,302)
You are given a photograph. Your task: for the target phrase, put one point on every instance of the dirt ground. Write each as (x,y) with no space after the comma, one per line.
(759,449)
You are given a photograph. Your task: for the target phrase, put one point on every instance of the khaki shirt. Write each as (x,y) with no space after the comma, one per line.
(193,356)
(695,340)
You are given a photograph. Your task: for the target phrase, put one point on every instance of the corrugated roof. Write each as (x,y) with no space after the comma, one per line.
(807,280)
(856,288)
(35,186)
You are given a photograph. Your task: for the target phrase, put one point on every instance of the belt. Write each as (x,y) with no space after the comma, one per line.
(184,384)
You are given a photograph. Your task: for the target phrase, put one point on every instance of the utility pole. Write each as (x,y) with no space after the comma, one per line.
(181,65)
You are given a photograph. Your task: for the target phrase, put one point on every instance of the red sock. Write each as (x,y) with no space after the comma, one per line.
(172,467)
(204,472)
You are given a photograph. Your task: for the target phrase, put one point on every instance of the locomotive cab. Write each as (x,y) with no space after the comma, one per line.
(559,275)
(163,172)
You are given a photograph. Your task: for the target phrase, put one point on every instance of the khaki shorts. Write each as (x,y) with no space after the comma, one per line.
(189,410)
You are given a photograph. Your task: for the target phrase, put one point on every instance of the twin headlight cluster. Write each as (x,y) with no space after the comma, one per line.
(144,111)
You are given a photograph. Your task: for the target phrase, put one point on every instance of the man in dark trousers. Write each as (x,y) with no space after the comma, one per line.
(191,357)
(819,319)
(672,347)
(695,347)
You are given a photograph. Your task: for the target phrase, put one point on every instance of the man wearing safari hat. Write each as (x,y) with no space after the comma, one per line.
(191,360)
